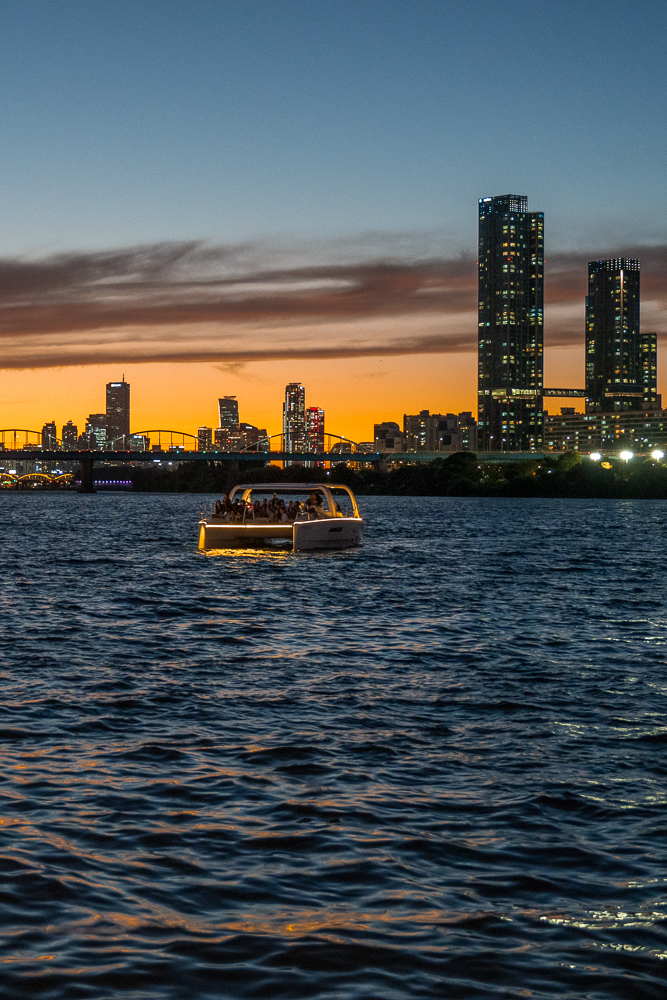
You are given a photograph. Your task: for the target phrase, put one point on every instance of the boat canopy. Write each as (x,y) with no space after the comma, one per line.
(326,490)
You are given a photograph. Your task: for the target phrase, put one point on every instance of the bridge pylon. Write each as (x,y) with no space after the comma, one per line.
(87,480)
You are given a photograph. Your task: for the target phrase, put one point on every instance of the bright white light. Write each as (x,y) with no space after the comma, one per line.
(627,455)
(596,456)
(657,455)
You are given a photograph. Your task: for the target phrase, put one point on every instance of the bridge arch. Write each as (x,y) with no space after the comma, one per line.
(18,438)
(328,440)
(166,439)
(36,479)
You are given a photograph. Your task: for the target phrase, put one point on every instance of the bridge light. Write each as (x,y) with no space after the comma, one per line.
(596,456)
(657,454)
(627,455)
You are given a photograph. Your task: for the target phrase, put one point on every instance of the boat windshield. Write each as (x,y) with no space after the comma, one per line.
(334,499)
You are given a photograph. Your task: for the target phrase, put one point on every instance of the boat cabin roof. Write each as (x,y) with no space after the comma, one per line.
(249,488)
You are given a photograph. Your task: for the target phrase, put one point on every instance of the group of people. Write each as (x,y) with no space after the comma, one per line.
(271,510)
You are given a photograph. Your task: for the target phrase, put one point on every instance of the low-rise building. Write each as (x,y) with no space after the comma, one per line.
(388,436)
(204,438)
(467,431)
(139,442)
(96,431)
(221,439)
(631,430)
(440,432)
(248,438)
(49,437)
(70,436)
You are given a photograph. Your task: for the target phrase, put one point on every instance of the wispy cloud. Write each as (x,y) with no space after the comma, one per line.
(248,302)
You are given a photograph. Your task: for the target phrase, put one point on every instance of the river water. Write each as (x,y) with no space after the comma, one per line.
(433,766)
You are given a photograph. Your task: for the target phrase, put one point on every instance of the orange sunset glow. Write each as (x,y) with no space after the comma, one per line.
(187,323)
(184,396)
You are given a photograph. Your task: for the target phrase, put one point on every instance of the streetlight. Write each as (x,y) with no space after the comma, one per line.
(627,455)
(657,454)
(596,456)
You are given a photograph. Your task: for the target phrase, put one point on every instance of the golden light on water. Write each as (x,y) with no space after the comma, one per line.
(249,554)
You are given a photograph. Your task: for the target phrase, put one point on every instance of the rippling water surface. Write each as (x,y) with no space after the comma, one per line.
(433,766)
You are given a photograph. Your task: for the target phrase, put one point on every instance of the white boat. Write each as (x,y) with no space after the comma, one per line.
(321,525)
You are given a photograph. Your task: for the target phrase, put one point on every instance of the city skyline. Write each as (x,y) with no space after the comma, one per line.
(283,191)
(352,395)
(510,351)
(622,405)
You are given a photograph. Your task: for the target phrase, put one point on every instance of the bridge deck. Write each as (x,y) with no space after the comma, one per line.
(111,457)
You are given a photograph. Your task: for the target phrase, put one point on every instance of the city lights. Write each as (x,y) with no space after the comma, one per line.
(620,401)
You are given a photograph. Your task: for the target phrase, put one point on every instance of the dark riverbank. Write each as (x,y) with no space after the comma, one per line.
(462,474)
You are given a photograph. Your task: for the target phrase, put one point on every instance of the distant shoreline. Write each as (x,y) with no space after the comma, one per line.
(461,474)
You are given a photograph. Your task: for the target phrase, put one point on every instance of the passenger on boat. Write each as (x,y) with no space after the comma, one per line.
(226,503)
(314,505)
(219,509)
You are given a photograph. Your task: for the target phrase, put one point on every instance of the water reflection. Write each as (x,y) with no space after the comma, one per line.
(378,772)
(273,552)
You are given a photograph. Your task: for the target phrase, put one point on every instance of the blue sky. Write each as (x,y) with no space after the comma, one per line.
(325,135)
(135,122)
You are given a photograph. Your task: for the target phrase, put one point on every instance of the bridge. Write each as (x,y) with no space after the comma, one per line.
(14,438)
(562,393)
(155,439)
(20,445)
(32,479)
(87,459)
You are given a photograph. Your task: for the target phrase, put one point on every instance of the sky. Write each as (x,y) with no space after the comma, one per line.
(218,198)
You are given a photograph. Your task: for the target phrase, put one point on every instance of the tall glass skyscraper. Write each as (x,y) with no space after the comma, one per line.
(118,414)
(616,360)
(294,418)
(511,324)
(228,410)
(315,428)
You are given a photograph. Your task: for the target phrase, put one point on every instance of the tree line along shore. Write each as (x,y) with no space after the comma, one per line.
(461,474)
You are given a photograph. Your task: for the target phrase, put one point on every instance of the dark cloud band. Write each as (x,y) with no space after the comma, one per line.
(188,302)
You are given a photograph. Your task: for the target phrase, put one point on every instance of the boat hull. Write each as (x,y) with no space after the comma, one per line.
(325,533)
(328,533)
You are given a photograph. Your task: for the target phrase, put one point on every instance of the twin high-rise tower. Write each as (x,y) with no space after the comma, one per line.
(511,324)
(621,370)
